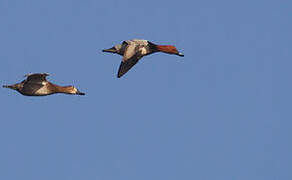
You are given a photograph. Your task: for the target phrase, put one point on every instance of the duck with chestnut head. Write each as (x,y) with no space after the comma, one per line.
(133,50)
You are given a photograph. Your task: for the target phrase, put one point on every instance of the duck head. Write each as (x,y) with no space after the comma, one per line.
(73,90)
(169,49)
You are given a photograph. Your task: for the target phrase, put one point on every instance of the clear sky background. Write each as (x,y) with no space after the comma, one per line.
(223,112)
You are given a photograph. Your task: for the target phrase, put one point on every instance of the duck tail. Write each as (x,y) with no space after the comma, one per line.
(10,86)
(6,86)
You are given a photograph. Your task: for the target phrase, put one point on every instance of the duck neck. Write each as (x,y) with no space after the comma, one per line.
(62,89)
(165,48)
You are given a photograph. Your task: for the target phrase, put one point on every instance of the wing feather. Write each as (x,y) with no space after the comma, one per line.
(125,66)
(38,77)
(131,56)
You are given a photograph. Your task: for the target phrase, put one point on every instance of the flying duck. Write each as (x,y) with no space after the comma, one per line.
(133,50)
(37,85)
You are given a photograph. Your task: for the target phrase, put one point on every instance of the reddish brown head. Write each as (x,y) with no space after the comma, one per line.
(68,90)
(168,49)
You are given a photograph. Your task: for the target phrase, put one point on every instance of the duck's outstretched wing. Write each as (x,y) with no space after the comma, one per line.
(130,58)
(37,77)
(127,65)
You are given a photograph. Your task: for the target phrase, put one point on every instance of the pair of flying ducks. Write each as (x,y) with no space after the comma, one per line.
(131,50)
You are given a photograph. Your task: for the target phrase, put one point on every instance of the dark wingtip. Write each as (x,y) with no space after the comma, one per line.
(120,74)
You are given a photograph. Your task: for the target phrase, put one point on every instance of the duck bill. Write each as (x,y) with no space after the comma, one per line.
(180,54)
(110,50)
(80,93)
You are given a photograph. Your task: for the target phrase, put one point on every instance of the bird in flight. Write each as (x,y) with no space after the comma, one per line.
(37,85)
(133,50)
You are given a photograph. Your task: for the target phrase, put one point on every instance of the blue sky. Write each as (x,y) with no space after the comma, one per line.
(219,113)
